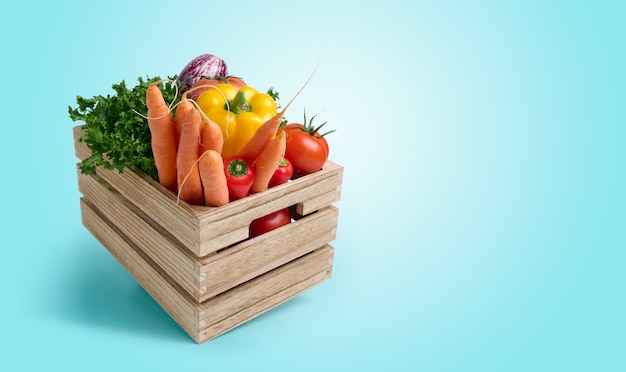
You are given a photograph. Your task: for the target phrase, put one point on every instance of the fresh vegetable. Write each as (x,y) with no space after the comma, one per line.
(213,179)
(239,112)
(163,133)
(189,182)
(211,137)
(282,174)
(269,222)
(228,122)
(205,65)
(115,128)
(205,84)
(239,176)
(307,149)
(184,106)
(268,161)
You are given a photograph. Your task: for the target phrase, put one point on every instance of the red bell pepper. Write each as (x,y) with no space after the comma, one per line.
(282,174)
(239,177)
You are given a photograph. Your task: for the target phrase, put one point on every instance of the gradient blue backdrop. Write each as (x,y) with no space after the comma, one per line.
(482,220)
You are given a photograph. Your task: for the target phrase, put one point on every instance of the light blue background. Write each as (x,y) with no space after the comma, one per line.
(482,219)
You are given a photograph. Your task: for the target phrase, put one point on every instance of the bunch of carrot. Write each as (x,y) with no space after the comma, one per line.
(187,149)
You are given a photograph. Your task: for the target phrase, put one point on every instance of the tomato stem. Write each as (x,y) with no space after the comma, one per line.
(310,129)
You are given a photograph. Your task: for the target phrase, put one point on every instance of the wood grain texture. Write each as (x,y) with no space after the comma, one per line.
(211,318)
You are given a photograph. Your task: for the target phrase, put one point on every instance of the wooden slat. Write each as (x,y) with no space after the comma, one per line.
(237,215)
(177,261)
(301,270)
(262,306)
(219,314)
(313,204)
(268,251)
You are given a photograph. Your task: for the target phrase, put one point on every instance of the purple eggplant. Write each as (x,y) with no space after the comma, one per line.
(205,65)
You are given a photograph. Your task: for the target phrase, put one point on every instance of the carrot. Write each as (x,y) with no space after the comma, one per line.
(213,179)
(268,162)
(266,132)
(163,139)
(211,136)
(261,138)
(189,183)
(182,109)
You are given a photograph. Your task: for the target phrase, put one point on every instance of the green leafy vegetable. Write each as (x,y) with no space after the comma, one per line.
(274,94)
(115,130)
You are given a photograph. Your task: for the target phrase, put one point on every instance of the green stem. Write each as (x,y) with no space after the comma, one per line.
(240,104)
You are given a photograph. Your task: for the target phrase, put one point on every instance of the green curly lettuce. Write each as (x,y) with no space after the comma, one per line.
(115,129)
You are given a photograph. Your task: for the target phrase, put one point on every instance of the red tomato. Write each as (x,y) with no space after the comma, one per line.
(282,174)
(270,222)
(307,151)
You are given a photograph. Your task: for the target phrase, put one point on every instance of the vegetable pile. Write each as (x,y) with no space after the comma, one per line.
(205,135)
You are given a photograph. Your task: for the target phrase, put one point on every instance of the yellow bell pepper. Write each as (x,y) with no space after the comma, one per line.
(239,113)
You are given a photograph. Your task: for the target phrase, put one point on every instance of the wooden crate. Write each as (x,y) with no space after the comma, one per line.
(197,262)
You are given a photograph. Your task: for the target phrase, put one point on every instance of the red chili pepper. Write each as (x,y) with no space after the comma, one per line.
(239,177)
(282,174)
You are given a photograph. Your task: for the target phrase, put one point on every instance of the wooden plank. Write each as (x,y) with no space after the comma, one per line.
(221,313)
(315,203)
(205,278)
(266,252)
(158,203)
(80,148)
(275,281)
(262,306)
(177,261)
(237,215)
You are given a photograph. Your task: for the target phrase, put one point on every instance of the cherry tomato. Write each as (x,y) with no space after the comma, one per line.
(239,177)
(270,222)
(282,174)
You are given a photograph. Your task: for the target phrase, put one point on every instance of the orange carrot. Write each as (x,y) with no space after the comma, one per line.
(163,139)
(213,179)
(182,109)
(189,183)
(211,136)
(268,161)
(268,130)
(261,138)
